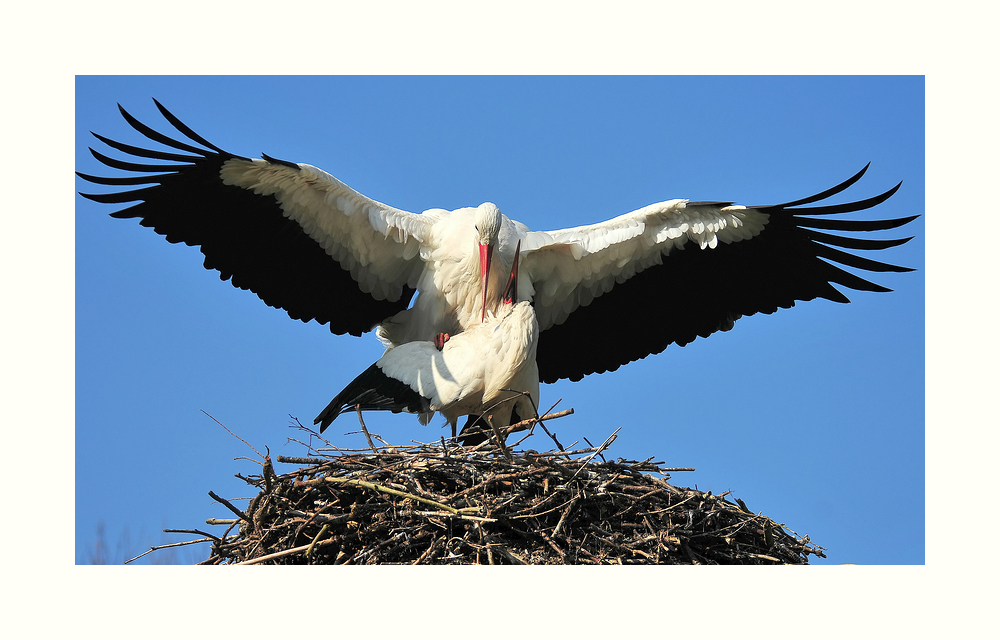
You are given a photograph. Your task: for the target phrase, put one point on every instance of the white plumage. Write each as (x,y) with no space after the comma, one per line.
(562,268)
(486,370)
(477,370)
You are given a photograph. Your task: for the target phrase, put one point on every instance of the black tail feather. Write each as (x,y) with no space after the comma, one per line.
(373,390)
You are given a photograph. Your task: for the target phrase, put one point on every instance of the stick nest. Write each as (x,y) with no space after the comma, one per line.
(442,503)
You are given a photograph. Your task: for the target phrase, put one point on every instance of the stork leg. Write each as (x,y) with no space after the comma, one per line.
(473,432)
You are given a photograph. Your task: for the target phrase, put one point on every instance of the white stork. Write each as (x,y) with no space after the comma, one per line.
(307,243)
(487,370)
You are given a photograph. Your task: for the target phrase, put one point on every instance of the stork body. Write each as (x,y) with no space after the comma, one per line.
(307,243)
(450,288)
(485,370)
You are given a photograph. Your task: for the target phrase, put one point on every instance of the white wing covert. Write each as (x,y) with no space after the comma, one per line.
(353,229)
(570,267)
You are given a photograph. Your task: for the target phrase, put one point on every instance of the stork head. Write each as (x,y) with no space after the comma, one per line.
(488,220)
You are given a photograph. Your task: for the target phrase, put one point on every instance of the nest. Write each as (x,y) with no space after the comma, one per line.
(442,503)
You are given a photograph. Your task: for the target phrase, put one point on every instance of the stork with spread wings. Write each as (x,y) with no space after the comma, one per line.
(307,243)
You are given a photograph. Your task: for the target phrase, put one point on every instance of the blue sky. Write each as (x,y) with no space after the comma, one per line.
(812,415)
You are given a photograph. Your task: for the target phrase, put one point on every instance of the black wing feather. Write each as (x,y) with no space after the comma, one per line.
(851,260)
(186,130)
(144,153)
(855,243)
(710,289)
(849,207)
(132,166)
(832,191)
(166,140)
(116,181)
(242,235)
(854,225)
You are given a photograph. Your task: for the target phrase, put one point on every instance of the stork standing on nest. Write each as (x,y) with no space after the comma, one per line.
(307,243)
(488,370)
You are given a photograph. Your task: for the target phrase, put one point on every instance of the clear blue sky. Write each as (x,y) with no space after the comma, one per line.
(813,415)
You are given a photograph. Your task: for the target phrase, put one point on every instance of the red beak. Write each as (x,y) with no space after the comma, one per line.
(510,291)
(485,258)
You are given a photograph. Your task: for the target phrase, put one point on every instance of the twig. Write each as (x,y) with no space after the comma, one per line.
(167,546)
(552,435)
(368,436)
(194,531)
(591,444)
(531,422)
(395,492)
(607,443)
(430,550)
(562,554)
(457,516)
(229,506)
(500,440)
(286,552)
(562,519)
(247,458)
(507,553)
(268,472)
(319,517)
(231,433)
(309,461)
(319,535)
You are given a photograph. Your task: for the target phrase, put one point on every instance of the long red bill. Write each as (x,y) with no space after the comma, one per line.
(510,291)
(485,258)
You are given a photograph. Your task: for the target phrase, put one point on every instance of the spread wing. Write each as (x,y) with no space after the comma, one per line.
(684,269)
(296,236)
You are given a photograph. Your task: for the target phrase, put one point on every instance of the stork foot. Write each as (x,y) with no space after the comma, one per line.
(440,339)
